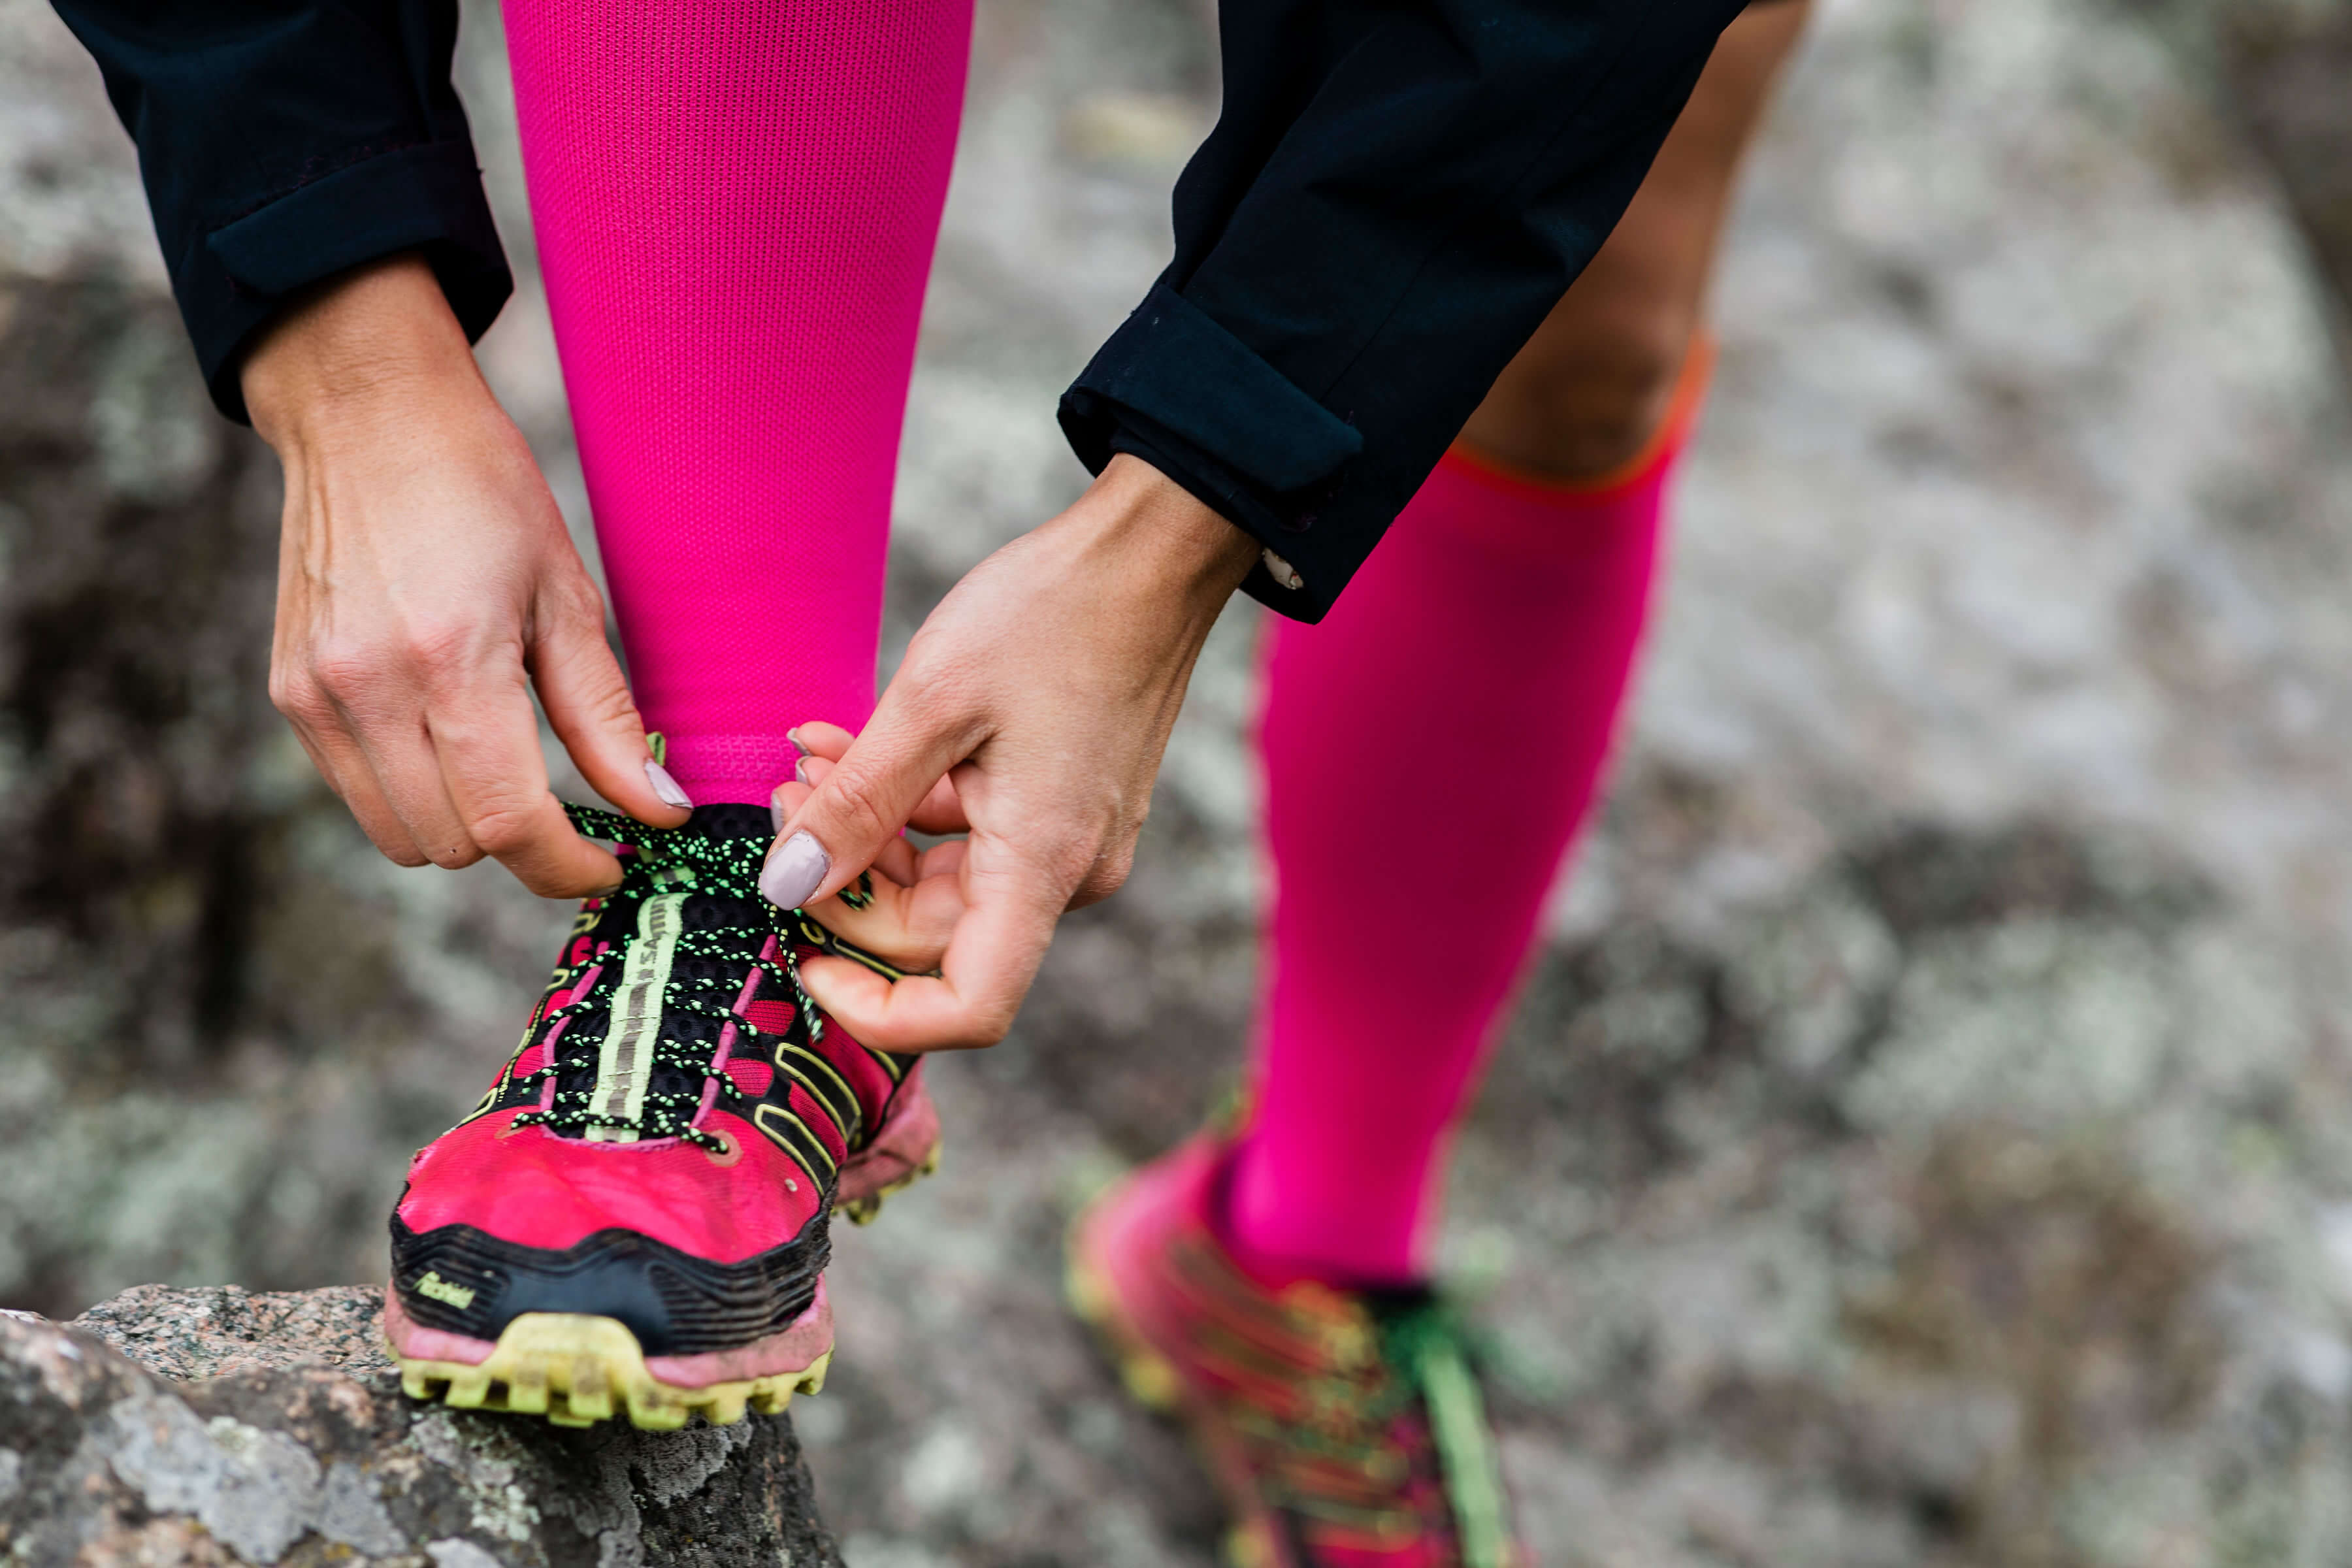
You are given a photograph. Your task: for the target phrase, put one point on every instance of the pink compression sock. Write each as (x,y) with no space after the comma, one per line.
(1430,749)
(735,208)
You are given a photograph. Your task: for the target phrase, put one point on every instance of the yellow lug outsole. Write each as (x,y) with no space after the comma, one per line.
(1150,1380)
(1153,1383)
(577,1370)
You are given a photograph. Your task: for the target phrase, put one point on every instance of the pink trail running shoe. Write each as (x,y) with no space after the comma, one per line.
(1344,1427)
(637,1215)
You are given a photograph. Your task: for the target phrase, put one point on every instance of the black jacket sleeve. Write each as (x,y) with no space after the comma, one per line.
(1396,193)
(283,141)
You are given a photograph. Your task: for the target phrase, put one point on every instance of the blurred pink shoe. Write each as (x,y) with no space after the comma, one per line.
(1344,1427)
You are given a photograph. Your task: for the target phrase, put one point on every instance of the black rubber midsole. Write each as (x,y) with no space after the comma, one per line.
(676,1303)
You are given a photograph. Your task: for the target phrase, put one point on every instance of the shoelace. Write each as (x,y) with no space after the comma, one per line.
(675,859)
(1427,1345)
(1357,1443)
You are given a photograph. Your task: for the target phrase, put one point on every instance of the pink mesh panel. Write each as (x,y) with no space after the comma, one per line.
(539,1190)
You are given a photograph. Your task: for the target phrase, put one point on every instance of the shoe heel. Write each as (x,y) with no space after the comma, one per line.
(1150,1380)
(904,1151)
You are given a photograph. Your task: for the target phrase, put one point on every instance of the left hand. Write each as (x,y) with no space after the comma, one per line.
(1031,712)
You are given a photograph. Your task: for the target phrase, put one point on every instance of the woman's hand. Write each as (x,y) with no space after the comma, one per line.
(906,907)
(1032,710)
(426,583)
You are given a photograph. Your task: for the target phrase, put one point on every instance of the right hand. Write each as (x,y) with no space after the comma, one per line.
(426,583)
(1031,709)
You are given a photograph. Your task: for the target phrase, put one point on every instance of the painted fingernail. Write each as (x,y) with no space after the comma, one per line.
(793,872)
(800,771)
(666,786)
(775,816)
(798,745)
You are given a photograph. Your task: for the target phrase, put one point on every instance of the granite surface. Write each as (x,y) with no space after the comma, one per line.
(225,1427)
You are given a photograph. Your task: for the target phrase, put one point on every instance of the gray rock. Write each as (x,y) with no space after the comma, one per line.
(223,1427)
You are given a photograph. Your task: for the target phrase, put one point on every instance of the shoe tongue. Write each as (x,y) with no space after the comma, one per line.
(1387,1302)
(729,820)
(665,1041)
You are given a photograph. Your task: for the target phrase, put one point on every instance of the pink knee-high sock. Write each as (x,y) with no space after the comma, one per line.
(1430,751)
(736,206)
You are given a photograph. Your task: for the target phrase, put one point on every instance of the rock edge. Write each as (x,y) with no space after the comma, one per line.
(224,1426)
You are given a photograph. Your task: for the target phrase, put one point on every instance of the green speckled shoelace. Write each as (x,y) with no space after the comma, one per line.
(678,861)
(1426,1345)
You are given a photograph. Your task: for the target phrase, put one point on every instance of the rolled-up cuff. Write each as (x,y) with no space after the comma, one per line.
(424,198)
(1176,389)
(1202,480)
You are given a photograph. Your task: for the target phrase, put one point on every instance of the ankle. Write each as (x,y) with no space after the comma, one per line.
(1276,1253)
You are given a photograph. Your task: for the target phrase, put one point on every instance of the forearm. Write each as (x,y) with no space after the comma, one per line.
(283,142)
(1177,560)
(428,586)
(1393,200)
(379,336)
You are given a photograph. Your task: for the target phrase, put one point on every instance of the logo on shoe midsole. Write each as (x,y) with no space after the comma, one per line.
(459,1295)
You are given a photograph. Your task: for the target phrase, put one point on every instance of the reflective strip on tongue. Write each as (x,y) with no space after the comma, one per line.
(625,1059)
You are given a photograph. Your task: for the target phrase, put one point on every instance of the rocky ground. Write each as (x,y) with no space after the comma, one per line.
(1928,1139)
(213,1428)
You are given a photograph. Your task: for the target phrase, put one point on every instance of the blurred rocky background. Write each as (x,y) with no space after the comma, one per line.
(1928,1138)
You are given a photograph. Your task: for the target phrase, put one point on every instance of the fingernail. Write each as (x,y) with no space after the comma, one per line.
(800,771)
(793,871)
(666,786)
(794,737)
(775,817)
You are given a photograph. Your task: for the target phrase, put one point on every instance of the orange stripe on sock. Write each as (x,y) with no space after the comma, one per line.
(1681,413)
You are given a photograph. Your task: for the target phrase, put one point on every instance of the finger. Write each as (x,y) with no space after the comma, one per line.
(999,940)
(317,721)
(939,811)
(898,862)
(897,859)
(942,859)
(785,799)
(397,748)
(589,706)
(863,800)
(345,766)
(487,748)
(909,925)
(819,739)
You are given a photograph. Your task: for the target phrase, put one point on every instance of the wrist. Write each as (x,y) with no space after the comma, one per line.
(379,336)
(1163,530)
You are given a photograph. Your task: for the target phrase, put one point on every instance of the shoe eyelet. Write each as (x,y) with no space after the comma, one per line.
(727,1153)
